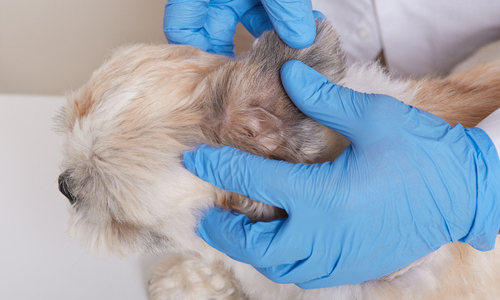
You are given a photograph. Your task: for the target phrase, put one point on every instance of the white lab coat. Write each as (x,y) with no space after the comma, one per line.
(418,37)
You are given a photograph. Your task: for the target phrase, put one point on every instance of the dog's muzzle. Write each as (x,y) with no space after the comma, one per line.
(64,188)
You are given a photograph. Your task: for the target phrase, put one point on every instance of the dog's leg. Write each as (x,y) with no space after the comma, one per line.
(187,277)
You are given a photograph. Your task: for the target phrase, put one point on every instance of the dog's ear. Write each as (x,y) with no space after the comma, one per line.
(248,107)
(324,55)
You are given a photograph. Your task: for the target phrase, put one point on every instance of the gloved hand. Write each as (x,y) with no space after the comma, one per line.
(211,24)
(408,184)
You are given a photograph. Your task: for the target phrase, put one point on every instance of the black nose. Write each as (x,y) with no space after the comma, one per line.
(64,188)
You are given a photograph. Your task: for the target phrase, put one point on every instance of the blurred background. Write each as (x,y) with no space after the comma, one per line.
(52,46)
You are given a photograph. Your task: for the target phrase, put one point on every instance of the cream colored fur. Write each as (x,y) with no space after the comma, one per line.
(127,128)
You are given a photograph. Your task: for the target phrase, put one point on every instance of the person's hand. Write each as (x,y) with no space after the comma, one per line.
(211,24)
(408,184)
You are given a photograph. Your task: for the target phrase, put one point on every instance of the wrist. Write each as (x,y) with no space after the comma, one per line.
(491,125)
(486,224)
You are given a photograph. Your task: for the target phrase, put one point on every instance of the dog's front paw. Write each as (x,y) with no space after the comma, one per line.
(187,276)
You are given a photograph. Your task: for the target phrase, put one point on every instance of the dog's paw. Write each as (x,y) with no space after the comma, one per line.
(188,277)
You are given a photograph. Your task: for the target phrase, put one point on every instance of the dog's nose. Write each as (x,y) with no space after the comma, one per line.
(64,188)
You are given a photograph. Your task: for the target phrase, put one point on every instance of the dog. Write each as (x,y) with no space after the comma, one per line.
(126,129)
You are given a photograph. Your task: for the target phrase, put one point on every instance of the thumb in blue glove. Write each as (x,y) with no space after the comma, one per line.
(408,184)
(211,24)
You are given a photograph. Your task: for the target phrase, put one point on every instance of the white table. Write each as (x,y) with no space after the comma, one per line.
(37,258)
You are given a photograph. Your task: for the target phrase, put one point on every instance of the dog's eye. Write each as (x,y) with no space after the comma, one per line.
(64,188)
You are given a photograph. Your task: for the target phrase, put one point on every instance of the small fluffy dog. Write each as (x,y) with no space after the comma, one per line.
(127,128)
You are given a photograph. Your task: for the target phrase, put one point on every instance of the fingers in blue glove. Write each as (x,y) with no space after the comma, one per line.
(324,101)
(337,107)
(256,21)
(208,25)
(293,21)
(270,181)
(258,244)
(264,245)
(211,25)
(184,23)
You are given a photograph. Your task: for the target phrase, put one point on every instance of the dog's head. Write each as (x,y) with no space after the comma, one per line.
(127,128)
(125,131)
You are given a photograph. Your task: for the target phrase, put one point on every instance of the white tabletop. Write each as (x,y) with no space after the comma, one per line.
(37,259)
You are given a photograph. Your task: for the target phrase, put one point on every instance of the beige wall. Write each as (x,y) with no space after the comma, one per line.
(52,46)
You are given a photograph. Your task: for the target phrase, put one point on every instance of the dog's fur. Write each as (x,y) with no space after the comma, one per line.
(127,128)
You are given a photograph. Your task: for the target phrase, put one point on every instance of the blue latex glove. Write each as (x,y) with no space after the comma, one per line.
(408,184)
(211,24)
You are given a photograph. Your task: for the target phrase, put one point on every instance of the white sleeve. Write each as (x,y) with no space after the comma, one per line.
(418,37)
(432,36)
(356,23)
(491,125)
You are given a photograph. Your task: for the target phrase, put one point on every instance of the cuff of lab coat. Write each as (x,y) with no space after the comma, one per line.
(491,125)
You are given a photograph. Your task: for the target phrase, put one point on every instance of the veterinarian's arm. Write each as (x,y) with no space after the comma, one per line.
(408,184)
(211,24)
